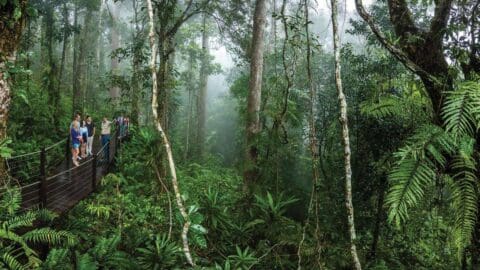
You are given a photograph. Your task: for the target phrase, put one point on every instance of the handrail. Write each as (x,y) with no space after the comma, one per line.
(55,144)
(61,191)
(36,152)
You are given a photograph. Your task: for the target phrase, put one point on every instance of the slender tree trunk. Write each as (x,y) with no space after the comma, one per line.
(137,49)
(253,126)
(191,86)
(378,220)
(76,75)
(345,138)
(202,95)
(313,149)
(64,46)
(51,71)
(153,46)
(114,62)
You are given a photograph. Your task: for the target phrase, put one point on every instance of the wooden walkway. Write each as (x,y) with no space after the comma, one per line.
(47,179)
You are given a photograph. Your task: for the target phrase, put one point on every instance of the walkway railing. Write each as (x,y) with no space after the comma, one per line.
(47,179)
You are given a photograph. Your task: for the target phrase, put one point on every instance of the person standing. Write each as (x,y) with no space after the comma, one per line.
(75,136)
(76,119)
(91,133)
(105,137)
(84,133)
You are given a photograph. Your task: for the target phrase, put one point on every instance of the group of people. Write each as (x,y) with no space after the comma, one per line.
(82,133)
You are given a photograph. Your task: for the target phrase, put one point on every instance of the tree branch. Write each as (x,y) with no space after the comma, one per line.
(440,18)
(394,50)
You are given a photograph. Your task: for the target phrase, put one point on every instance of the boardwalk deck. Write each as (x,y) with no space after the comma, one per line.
(61,186)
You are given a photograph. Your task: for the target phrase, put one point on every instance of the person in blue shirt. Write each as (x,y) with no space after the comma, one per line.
(75,136)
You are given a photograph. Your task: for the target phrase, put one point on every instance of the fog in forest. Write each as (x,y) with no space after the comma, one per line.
(232,134)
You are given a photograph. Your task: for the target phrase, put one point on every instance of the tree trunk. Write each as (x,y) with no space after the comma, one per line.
(64,46)
(314,154)
(10,33)
(114,62)
(51,71)
(253,127)
(190,86)
(76,94)
(372,254)
(137,49)
(345,139)
(202,94)
(179,200)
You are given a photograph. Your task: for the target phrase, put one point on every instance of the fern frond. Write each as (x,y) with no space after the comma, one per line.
(57,259)
(464,196)
(384,107)
(23,220)
(9,261)
(460,110)
(11,236)
(429,141)
(10,202)
(47,235)
(416,168)
(408,182)
(86,262)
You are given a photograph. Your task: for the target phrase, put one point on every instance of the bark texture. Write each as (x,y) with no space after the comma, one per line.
(345,139)
(253,126)
(10,33)
(158,125)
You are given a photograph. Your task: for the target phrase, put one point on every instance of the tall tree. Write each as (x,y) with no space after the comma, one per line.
(50,84)
(253,126)
(345,137)
(137,46)
(202,94)
(114,44)
(12,22)
(314,149)
(158,125)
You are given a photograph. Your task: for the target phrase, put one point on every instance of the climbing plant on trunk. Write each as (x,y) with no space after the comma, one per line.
(158,125)
(345,138)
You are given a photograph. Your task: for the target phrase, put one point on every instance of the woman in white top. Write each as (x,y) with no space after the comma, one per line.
(84,133)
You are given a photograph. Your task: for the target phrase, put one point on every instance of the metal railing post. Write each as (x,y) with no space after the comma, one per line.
(67,152)
(43,177)
(94,172)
